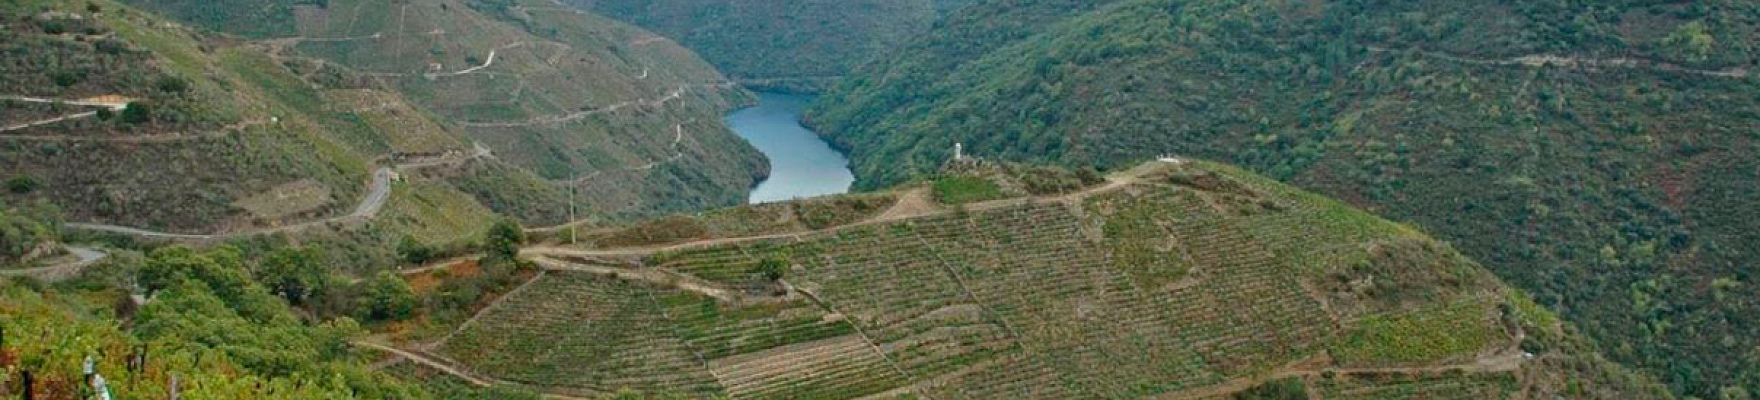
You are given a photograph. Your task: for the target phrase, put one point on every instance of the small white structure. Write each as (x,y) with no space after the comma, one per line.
(1170,160)
(959,153)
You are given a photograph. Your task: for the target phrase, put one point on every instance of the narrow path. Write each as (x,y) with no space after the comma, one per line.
(113,103)
(1543,60)
(38,123)
(1318,366)
(652,275)
(149,138)
(675,94)
(428,362)
(83,257)
(1115,182)
(378,192)
(486,63)
(448,369)
(485,310)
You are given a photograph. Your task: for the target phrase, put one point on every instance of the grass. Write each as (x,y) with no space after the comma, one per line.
(1455,386)
(961,190)
(436,214)
(1439,332)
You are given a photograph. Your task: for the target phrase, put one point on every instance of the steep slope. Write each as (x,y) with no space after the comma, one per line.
(781,44)
(1599,155)
(155,126)
(564,94)
(577,99)
(1173,280)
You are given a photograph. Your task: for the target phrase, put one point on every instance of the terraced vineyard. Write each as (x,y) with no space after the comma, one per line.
(1024,300)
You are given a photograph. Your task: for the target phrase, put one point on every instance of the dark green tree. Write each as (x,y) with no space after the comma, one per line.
(293,273)
(504,239)
(386,297)
(137,113)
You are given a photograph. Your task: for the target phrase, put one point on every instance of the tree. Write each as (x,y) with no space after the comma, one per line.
(1691,41)
(504,239)
(413,251)
(387,297)
(772,269)
(293,274)
(137,113)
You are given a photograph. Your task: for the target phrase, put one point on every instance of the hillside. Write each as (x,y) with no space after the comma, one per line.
(140,126)
(574,98)
(1174,280)
(1598,155)
(120,118)
(780,44)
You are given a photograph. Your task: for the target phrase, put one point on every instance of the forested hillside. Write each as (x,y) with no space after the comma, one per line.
(786,43)
(1599,154)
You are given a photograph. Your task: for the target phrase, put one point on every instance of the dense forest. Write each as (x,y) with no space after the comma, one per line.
(1598,154)
(771,39)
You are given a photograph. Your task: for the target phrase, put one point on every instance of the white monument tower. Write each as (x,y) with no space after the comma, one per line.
(959,153)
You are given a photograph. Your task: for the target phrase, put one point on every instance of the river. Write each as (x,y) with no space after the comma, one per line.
(801,164)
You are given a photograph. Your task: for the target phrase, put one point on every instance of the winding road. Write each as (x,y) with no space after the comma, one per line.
(378,192)
(83,257)
(1542,60)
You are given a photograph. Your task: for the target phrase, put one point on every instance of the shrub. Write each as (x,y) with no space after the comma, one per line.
(22,184)
(413,252)
(386,298)
(1287,389)
(503,239)
(67,78)
(137,113)
(54,27)
(772,269)
(172,84)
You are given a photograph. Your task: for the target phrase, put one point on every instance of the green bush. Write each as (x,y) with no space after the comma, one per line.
(771,269)
(1286,389)
(386,297)
(22,184)
(137,113)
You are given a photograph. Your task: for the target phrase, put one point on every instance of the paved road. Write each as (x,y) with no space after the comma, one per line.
(377,193)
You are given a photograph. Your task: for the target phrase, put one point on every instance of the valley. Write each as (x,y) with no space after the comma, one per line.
(877,199)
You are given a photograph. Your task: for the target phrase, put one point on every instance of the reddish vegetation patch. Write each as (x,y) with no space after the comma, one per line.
(422,283)
(465,269)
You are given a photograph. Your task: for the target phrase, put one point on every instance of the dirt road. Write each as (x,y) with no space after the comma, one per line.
(83,257)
